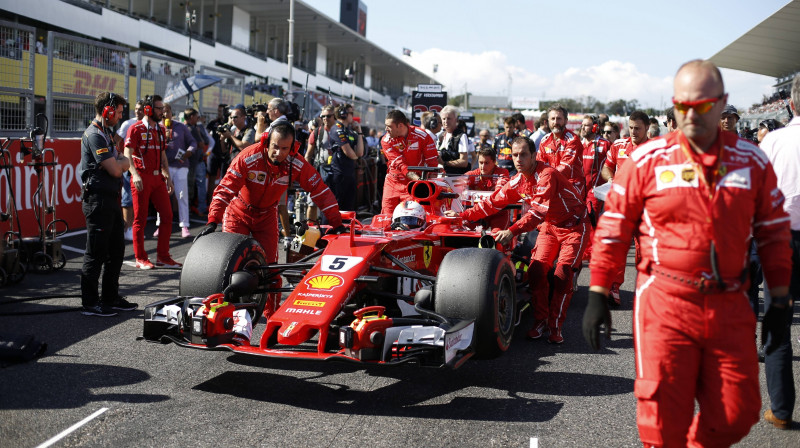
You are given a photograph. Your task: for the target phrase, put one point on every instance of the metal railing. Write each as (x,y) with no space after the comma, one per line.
(17,62)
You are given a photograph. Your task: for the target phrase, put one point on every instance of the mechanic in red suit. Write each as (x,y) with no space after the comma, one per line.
(595,149)
(246,200)
(695,196)
(561,148)
(489,177)
(618,155)
(557,205)
(403,145)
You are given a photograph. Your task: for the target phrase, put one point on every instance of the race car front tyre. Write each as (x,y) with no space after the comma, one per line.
(211,261)
(478,284)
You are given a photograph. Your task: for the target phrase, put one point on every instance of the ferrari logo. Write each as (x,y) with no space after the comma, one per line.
(687,174)
(427,253)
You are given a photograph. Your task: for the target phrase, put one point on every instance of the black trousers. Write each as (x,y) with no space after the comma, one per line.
(105,249)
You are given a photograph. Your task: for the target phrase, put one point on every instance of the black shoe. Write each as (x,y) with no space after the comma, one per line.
(123,305)
(97,310)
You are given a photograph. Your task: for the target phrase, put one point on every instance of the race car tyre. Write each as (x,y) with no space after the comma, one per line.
(211,261)
(17,274)
(478,284)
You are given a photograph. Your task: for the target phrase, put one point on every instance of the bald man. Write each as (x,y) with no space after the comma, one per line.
(695,196)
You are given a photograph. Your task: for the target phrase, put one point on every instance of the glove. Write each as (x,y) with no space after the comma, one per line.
(338,230)
(596,313)
(209,228)
(775,324)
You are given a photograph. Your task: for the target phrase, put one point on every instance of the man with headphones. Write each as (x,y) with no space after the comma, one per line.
(146,146)
(346,147)
(101,173)
(246,200)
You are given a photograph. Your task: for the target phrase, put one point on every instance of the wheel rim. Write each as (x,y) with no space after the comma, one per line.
(505,305)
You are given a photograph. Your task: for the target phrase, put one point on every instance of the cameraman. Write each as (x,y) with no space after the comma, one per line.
(238,135)
(218,160)
(346,146)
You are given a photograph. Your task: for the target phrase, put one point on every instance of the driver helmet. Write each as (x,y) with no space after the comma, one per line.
(410,214)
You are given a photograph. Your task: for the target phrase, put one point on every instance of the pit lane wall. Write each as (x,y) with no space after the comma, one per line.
(24,183)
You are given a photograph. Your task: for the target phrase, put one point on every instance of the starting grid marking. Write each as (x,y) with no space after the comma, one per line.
(72,428)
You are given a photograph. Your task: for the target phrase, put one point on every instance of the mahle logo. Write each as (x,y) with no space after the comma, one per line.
(326,282)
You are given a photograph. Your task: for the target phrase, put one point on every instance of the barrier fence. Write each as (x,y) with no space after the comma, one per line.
(17,63)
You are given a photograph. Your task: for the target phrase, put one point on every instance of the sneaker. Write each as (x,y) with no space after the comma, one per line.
(97,310)
(555,336)
(123,305)
(537,331)
(776,422)
(144,264)
(185,233)
(155,234)
(129,234)
(613,295)
(168,263)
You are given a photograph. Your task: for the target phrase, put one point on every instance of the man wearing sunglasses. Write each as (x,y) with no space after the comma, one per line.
(318,151)
(239,135)
(695,197)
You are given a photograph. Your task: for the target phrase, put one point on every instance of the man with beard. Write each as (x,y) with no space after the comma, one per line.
(595,149)
(562,149)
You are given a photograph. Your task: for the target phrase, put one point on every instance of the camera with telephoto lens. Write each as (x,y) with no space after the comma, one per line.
(223,128)
(253,110)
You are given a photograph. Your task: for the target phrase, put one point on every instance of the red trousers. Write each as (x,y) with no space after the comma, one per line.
(261,224)
(565,247)
(154,190)
(692,346)
(592,203)
(394,192)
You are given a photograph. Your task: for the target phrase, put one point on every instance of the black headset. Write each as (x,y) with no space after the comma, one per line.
(110,110)
(341,111)
(432,121)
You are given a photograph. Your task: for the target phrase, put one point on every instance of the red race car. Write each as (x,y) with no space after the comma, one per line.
(380,294)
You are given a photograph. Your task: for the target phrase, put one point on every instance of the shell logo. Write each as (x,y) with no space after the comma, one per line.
(326,282)
(667,176)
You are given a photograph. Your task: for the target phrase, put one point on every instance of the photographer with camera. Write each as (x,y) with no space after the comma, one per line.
(456,146)
(346,146)
(237,134)
(218,160)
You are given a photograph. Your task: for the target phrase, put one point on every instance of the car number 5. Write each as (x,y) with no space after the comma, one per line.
(337,264)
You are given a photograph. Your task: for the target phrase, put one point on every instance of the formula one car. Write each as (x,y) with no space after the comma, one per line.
(381,294)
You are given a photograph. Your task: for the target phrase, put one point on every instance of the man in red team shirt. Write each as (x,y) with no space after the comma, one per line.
(562,149)
(246,200)
(489,177)
(403,145)
(619,153)
(595,149)
(556,204)
(695,197)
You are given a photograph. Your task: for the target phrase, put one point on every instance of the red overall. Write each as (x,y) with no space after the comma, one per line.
(565,154)
(594,156)
(416,149)
(492,182)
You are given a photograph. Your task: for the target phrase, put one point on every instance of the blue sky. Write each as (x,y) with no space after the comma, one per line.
(609,50)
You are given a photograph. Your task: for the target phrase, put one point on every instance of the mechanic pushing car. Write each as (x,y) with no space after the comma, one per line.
(404,145)
(695,196)
(490,177)
(556,204)
(246,200)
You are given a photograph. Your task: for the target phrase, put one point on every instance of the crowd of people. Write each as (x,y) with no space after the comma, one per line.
(709,213)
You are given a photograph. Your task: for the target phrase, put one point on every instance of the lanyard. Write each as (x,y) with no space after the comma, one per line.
(698,169)
(103,131)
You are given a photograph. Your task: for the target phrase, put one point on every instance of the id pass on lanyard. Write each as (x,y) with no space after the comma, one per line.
(716,171)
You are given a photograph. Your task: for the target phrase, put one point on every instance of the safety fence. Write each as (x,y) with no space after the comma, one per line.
(16,78)
(230,91)
(156,74)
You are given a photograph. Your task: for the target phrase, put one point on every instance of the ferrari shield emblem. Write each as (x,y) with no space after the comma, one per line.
(687,174)
(427,253)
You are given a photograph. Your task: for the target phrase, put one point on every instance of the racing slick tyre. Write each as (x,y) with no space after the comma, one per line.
(211,261)
(479,284)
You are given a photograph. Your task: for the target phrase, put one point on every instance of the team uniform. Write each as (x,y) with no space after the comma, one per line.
(565,155)
(594,156)
(246,200)
(492,182)
(693,335)
(502,147)
(416,149)
(555,203)
(146,145)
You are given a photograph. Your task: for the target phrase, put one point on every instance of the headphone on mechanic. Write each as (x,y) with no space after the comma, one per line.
(432,121)
(147,106)
(595,123)
(111,108)
(267,136)
(341,111)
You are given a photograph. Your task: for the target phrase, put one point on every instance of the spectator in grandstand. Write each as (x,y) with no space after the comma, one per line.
(146,146)
(543,128)
(490,177)
(403,145)
(595,150)
(346,146)
(197,168)
(730,117)
(181,146)
(557,208)
(670,123)
(239,134)
(782,147)
(455,146)
(522,127)
(617,156)
(502,145)
(562,149)
(101,171)
(318,152)
(127,200)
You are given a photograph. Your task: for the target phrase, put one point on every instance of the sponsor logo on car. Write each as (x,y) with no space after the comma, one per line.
(289,329)
(303,311)
(309,303)
(326,282)
(315,295)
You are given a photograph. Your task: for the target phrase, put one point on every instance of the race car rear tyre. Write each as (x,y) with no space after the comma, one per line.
(211,261)
(478,284)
